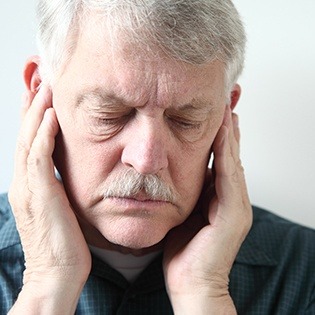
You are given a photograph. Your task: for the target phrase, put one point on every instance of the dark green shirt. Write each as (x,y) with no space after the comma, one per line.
(274,273)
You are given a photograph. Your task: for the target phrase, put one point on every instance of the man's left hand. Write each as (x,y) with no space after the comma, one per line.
(200,253)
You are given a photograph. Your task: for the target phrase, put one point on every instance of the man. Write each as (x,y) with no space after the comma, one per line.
(128,101)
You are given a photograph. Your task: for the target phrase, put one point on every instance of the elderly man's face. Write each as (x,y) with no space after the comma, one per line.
(120,112)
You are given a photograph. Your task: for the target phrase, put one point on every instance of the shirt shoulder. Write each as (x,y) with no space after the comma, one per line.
(272,238)
(276,234)
(275,267)
(8,233)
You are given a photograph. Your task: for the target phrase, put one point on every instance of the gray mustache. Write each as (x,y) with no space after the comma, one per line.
(129,183)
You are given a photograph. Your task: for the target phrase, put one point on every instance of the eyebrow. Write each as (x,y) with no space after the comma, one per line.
(196,104)
(103,98)
(194,109)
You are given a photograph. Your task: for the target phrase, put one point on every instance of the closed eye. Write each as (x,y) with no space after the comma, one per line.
(108,124)
(112,121)
(187,125)
(184,124)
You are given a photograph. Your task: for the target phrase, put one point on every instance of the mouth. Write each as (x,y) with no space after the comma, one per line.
(138,202)
(140,197)
(137,206)
(143,197)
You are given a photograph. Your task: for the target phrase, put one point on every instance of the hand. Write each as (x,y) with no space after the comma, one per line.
(57,258)
(200,253)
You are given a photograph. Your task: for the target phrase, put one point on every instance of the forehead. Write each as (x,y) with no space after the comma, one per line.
(131,72)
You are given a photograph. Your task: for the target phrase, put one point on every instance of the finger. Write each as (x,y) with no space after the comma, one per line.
(223,147)
(27,99)
(35,114)
(40,163)
(235,148)
(29,128)
(226,182)
(236,129)
(234,141)
(25,104)
(234,135)
(232,202)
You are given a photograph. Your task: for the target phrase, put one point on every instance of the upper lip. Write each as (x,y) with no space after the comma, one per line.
(141,196)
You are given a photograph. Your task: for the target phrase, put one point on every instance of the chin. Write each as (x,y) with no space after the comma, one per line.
(135,234)
(130,224)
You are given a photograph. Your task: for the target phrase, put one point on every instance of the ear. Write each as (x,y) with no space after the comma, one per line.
(32,77)
(235,96)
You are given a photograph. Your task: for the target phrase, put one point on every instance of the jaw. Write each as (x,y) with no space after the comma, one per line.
(136,234)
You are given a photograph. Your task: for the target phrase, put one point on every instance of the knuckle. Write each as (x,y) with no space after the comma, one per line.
(240,166)
(33,162)
(235,177)
(239,172)
(22,145)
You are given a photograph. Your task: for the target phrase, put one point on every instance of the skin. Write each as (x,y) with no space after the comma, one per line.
(151,141)
(168,117)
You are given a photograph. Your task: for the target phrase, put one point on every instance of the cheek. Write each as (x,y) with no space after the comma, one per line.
(190,165)
(83,165)
(188,175)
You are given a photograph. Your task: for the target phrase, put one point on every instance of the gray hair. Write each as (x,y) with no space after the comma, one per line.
(193,31)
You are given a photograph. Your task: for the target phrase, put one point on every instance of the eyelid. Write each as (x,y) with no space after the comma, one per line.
(106,128)
(111,112)
(185,117)
(185,123)
(188,125)
(114,117)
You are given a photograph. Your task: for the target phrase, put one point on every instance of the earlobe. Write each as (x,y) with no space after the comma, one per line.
(235,96)
(32,78)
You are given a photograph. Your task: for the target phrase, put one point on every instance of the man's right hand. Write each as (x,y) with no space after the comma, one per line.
(57,258)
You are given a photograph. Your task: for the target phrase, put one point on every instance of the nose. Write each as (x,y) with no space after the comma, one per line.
(146,147)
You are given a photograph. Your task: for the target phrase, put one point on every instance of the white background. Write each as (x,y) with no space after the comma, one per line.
(277,108)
